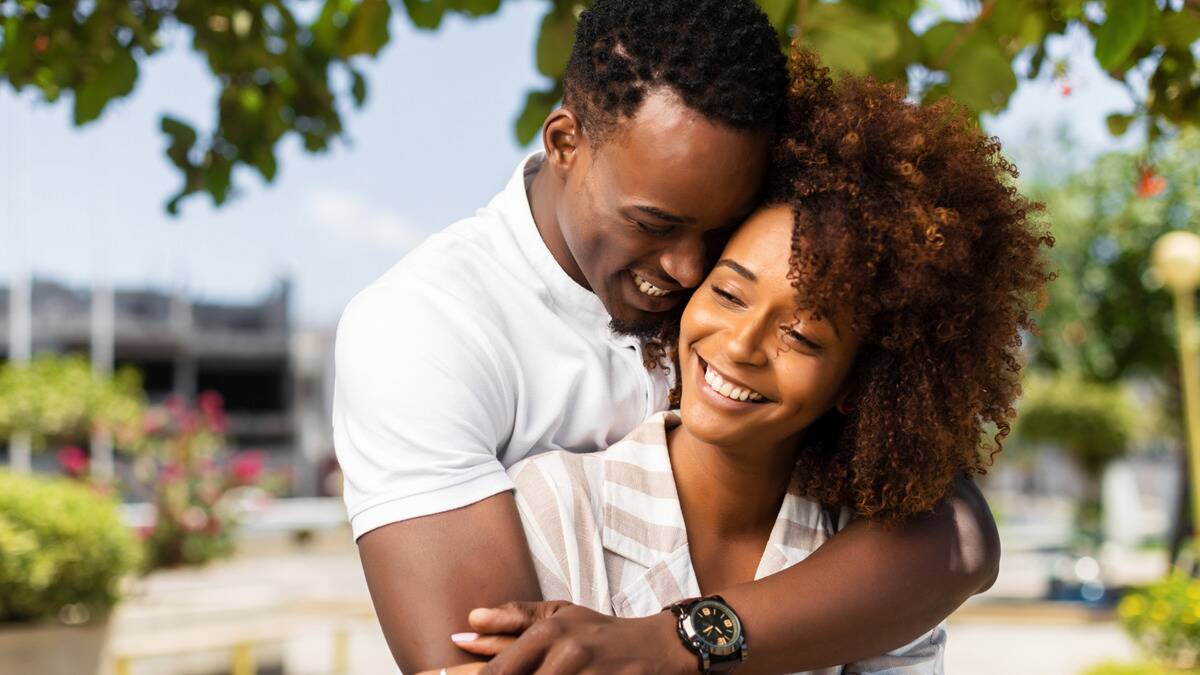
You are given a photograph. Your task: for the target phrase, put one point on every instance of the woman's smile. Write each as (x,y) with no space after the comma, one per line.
(723,390)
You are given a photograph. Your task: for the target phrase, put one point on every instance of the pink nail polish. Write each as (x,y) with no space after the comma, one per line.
(464,637)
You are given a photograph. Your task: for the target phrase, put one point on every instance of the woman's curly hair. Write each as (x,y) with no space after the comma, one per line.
(907,215)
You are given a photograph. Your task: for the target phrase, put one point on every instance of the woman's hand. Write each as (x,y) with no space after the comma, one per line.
(560,638)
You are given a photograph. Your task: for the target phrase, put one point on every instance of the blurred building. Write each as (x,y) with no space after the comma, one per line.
(276,400)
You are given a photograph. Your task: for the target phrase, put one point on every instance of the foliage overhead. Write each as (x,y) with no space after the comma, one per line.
(1107,316)
(278,66)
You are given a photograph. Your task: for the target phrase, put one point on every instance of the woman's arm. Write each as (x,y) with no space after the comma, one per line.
(864,592)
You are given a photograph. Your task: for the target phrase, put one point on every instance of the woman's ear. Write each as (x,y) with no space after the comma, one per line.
(847,397)
(562,139)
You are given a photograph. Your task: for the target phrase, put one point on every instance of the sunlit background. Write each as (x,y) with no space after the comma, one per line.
(225,315)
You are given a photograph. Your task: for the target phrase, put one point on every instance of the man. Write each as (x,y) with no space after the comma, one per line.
(522,329)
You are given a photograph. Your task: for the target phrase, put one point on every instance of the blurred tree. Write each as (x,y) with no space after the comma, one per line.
(274,67)
(60,398)
(1092,421)
(1107,317)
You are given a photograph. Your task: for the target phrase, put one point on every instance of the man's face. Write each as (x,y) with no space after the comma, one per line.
(636,212)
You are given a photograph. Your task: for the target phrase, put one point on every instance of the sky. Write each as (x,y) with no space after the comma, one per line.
(433,143)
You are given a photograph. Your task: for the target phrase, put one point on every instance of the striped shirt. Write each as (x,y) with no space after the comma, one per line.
(606,532)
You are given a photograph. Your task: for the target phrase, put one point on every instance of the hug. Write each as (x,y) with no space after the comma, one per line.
(705,385)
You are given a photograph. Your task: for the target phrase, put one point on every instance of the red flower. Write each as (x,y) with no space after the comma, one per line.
(171,471)
(1150,184)
(247,467)
(73,460)
(213,407)
(40,44)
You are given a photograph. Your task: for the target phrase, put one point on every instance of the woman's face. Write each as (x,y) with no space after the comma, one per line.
(751,373)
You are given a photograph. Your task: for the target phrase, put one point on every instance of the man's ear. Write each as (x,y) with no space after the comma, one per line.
(563,140)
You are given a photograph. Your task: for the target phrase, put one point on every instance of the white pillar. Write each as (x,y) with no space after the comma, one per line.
(20,305)
(103,320)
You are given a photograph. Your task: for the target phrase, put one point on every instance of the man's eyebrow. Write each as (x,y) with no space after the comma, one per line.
(663,215)
(726,262)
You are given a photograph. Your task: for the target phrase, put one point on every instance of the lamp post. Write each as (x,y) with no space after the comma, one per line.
(1176,260)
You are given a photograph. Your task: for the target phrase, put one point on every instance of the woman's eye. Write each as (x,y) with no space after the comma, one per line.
(798,338)
(727,296)
(654,231)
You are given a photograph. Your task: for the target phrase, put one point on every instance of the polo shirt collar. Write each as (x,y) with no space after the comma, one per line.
(568,296)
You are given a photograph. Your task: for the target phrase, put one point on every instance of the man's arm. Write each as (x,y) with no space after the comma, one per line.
(866,591)
(426,574)
(870,589)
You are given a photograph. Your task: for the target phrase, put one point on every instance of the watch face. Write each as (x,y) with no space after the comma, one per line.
(716,626)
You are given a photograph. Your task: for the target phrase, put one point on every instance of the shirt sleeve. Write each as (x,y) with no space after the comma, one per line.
(923,656)
(422,403)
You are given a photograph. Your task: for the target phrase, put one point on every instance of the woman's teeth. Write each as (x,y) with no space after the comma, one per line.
(728,390)
(647,287)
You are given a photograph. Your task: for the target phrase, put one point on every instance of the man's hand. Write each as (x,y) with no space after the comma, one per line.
(559,638)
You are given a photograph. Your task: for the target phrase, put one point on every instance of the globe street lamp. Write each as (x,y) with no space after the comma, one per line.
(1176,261)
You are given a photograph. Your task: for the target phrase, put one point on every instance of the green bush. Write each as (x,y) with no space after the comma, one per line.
(63,549)
(1164,619)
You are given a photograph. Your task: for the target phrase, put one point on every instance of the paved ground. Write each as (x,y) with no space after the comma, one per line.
(293,602)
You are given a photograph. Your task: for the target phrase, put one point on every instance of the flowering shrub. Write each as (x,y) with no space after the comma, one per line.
(1164,619)
(194,481)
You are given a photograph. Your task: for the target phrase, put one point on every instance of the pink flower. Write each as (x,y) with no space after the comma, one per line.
(247,467)
(171,471)
(193,519)
(213,407)
(154,420)
(175,404)
(73,460)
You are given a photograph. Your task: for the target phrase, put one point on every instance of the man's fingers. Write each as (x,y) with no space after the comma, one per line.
(511,617)
(527,652)
(486,645)
(567,657)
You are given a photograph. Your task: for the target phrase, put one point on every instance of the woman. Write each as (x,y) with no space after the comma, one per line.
(846,357)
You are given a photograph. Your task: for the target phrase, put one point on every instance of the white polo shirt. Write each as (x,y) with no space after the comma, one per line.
(472,352)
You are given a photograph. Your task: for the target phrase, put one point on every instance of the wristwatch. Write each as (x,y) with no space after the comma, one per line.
(711,630)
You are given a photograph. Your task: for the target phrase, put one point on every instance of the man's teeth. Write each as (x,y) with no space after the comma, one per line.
(728,390)
(648,288)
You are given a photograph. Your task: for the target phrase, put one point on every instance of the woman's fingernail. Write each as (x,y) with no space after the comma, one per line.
(482,613)
(464,637)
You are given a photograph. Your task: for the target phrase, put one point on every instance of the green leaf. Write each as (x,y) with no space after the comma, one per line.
(849,39)
(114,79)
(264,160)
(538,106)
(182,136)
(779,12)
(358,87)
(937,40)
(1124,23)
(1118,124)
(555,40)
(1178,29)
(367,28)
(981,76)
(425,14)
(477,7)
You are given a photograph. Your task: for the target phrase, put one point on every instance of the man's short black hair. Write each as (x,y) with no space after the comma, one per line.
(721,57)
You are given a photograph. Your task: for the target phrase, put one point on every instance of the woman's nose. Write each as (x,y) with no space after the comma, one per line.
(745,343)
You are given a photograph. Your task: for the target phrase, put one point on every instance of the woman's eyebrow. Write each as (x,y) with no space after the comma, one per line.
(726,262)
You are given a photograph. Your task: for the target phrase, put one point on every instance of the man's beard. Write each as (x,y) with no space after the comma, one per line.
(653,326)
